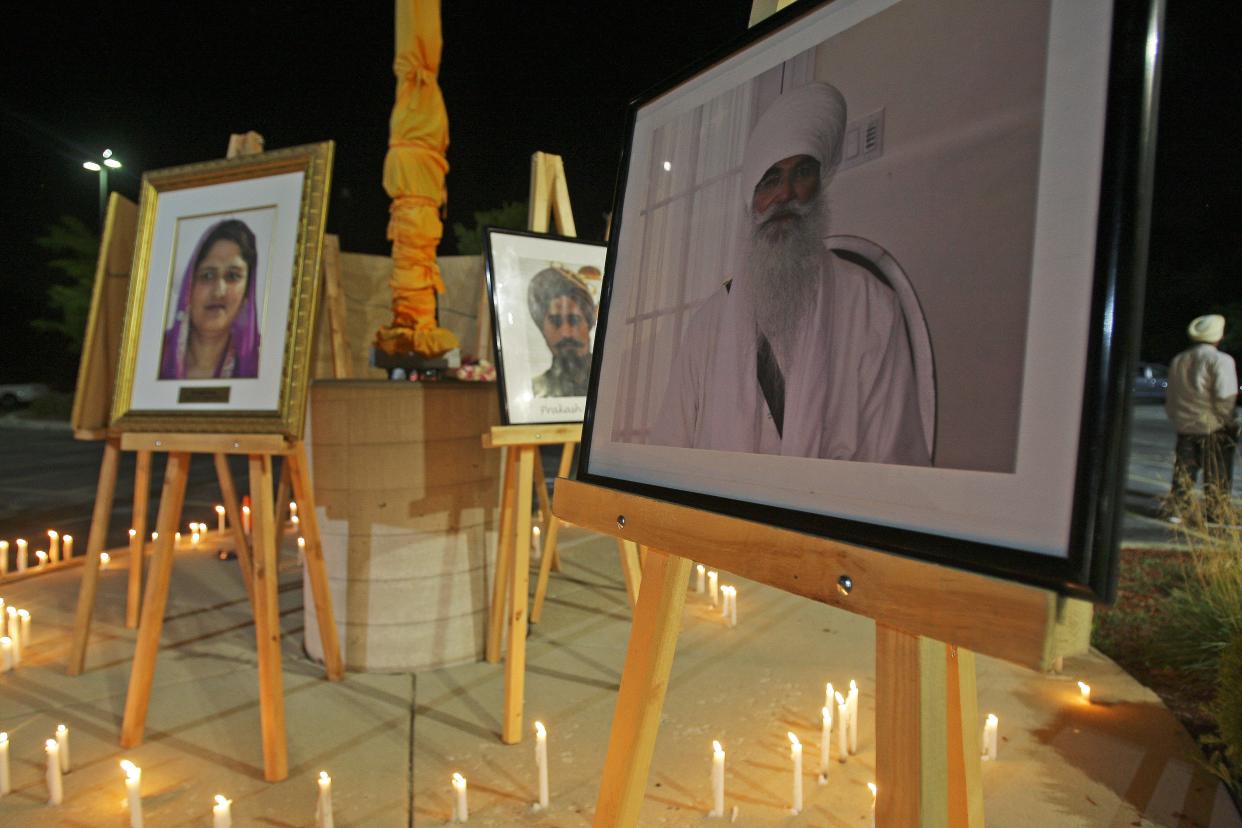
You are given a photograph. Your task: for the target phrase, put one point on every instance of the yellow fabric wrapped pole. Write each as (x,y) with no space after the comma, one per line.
(414,171)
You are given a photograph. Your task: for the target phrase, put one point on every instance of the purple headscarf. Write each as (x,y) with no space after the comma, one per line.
(241,358)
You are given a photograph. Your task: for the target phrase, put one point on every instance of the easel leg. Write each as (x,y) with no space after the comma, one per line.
(504,542)
(515,655)
(648,663)
(267,620)
(898,740)
(104,491)
(304,493)
(965,763)
(142,493)
(630,568)
(541,492)
(228,492)
(147,647)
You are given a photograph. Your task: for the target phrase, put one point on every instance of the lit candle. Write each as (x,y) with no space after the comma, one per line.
(461,809)
(22,554)
(104,560)
(724,601)
(989,737)
(713,579)
(220,519)
(6,784)
(718,762)
(62,744)
(133,792)
(194,538)
(301,549)
(53,545)
(825,740)
(871,787)
(732,606)
(42,556)
(843,727)
(700,579)
(296,521)
(155,536)
(176,539)
(25,619)
(852,702)
(293,508)
(541,762)
(4,557)
(246,519)
(1085,690)
(55,790)
(795,753)
(221,815)
(66,551)
(536,543)
(6,654)
(323,807)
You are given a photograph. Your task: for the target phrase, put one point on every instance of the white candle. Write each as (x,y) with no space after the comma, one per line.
(194,538)
(104,560)
(843,728)
(461,809)
(155,536)
(871,787)
(541,762)
(732,606)
(6,654)
(6,784)
(24,616)
(55,790)
(42,557)
(293,508)
(4,557)
(852,702)
(296,521)
(700,579)
(66,551)
(989,737)
(246,519)
(133,792)
(323,807)
(62,745)
(176,539)
(301,549)
(795,753)
(53,545)
(718,763)
(713,579)
(825,741)
(1085,690)
(536,543)
(21,554)
(221,815)
(220,519)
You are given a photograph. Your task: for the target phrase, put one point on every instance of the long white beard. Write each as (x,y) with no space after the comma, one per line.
(783,271)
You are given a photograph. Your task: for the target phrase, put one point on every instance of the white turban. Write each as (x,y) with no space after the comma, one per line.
(808,120)
(1210,328)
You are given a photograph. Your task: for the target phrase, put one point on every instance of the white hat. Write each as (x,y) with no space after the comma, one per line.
(808,120)
(1210,328)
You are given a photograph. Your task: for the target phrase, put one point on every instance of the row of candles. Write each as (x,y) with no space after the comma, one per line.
(57,753)
(721,595)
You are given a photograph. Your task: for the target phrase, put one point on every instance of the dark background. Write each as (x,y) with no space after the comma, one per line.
(163,84)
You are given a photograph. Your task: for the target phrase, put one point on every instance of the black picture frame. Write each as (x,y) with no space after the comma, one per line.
(1086,567)
(552,249)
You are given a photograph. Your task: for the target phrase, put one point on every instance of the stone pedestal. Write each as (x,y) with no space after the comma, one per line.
(408,508)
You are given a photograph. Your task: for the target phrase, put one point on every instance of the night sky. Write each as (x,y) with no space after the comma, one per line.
(163,84)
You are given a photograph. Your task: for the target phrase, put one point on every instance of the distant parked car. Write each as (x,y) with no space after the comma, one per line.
(1151,381)
(11,396)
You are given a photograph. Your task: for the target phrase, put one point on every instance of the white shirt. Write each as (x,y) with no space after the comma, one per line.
(1203,390)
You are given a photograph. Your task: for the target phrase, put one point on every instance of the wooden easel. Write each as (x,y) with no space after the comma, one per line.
(927,733)
(260,450)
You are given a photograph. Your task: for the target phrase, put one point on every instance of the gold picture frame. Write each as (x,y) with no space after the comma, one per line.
(281,197)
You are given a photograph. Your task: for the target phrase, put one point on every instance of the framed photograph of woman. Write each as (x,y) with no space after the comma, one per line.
(545,293)
(876,275)
(223,294)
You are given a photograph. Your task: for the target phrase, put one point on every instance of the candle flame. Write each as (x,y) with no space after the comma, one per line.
(104,558)
(133,532)
(793,739)
(535,530)
(458,779)
(6,641)
(41,555)
(50,745)
(701,568)
(323,777)
(4,737)
(840,698)
(53,534)
(221,801)
(540,730)
(871,787)
(23,614)
(853,686)
(60,728)
(67,538)
(992,720)
(12,611)
(1085,689)
(716,748)
(132,771)
(155,536)
(293,506)
(219,509)
(301,541)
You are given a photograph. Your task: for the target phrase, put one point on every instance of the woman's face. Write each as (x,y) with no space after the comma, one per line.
(219,288)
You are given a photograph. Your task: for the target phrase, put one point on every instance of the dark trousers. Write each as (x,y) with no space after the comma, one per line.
(1213,454)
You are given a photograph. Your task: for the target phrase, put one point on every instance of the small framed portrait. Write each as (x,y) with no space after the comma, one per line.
(223,294)
(876,274)
(545,293)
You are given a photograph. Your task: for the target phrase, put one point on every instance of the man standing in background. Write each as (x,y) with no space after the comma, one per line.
(1202,394)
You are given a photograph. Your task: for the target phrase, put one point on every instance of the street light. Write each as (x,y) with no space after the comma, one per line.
(94,166)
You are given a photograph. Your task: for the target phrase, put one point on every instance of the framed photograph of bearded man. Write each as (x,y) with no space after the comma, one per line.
(876,274)
(223,294)
(545,293)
